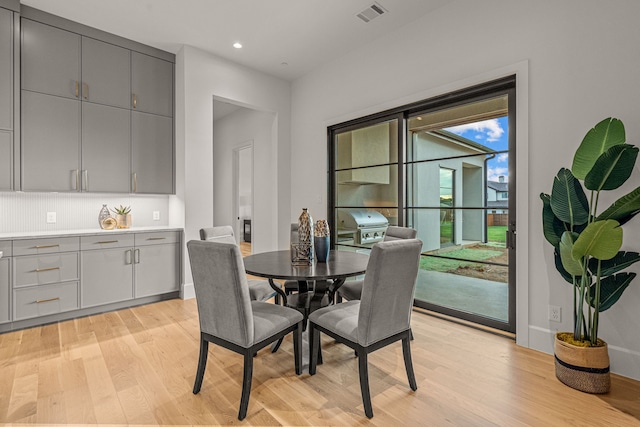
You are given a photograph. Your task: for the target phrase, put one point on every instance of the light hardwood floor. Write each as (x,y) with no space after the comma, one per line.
(137,366)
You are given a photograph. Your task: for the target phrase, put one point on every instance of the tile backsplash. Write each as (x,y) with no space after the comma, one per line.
(25,212)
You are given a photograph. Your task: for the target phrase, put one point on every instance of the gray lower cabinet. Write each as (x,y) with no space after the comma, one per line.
(107,269)
(5,281)
(156,263)
(50,143)
(152,153)
(45,277)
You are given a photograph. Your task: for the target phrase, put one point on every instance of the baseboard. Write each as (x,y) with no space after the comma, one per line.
(187,291)
(623,361)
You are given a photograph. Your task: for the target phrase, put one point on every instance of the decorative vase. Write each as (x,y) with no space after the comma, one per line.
(305,231)
(123,221)
(582,368)
(104,214)
(321,240)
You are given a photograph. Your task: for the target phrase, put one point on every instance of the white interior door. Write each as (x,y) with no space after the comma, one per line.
(243,191)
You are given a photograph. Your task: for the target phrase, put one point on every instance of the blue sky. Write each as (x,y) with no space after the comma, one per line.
(493,133)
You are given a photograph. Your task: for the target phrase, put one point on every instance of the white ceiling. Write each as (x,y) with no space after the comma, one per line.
(304,34)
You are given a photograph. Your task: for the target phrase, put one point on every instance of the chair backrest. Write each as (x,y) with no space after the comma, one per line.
(388,289)
(222,291)
(222,233)
(394,233)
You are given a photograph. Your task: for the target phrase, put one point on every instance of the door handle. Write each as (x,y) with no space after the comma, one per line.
(77,89)
(135,101)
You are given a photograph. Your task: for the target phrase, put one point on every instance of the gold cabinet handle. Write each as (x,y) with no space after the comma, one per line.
(135,101)
(77,88)
(106,242)
(156,238)
(85,90)
(136,256)
(40,270)
(77,180)
(47,246)
(39,301)
(85,180)
(127,257)
(135,182)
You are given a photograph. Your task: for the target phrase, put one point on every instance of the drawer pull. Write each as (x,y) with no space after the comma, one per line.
(106,242)
(38,301)
(40,270)
(47,246)
(157,238)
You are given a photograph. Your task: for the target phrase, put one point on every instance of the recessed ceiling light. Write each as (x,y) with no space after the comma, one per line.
(237,45)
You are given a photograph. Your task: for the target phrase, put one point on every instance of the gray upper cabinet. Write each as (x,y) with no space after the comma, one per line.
(105,73)
(151,84)
(85,101)
(6,142)
(152,153)
(50,143)
(6,70)
(50,60)
(106,144)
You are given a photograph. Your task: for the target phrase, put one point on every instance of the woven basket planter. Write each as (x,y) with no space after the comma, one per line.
(583,368)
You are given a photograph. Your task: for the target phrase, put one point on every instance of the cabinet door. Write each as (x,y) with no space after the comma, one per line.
(6,159)
(156,269)
(107,276)
(6,69)
(106,73)
(50,60)
(50,143)
(5,290)
(152,84)
(106,149)
(152,153)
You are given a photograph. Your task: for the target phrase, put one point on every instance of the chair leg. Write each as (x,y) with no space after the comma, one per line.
(408,365)
(364,382)
(314,346)
(338,298)
(275,346)
(411,334)
(202,364)
(246,385)
(297,348)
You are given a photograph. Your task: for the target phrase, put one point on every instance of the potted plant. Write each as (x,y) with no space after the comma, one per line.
(587,242)
(123,216)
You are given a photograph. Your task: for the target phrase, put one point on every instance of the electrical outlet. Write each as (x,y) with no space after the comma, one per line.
(555,313)
(156,215)
(51,217)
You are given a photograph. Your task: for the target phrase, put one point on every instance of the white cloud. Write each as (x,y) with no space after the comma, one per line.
(493,174)
(491,128)
(502,158)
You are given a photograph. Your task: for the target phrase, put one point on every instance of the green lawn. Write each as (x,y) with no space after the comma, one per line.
(441,264)
(497,233)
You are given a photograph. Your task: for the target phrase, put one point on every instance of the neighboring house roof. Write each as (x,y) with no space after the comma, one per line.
(498,186)
(500,204)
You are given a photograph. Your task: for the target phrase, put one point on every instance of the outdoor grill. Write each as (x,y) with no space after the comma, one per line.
(368,226)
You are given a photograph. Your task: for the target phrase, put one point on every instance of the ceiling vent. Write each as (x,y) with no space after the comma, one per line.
(372,12)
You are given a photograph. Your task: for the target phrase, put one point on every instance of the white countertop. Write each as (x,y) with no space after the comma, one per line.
(89,231)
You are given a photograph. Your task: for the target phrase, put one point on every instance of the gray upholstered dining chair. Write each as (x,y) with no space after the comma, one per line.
(229,318)
(381,317)
(352,289)
(259,290)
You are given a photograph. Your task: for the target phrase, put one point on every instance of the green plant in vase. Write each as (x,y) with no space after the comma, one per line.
(123,216)
(587,239)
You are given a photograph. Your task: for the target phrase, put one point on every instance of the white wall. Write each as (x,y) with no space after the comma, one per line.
(199,77)
(234,131)
(576,63)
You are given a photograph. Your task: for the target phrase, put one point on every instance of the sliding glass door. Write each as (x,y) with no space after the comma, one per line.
(443,166)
